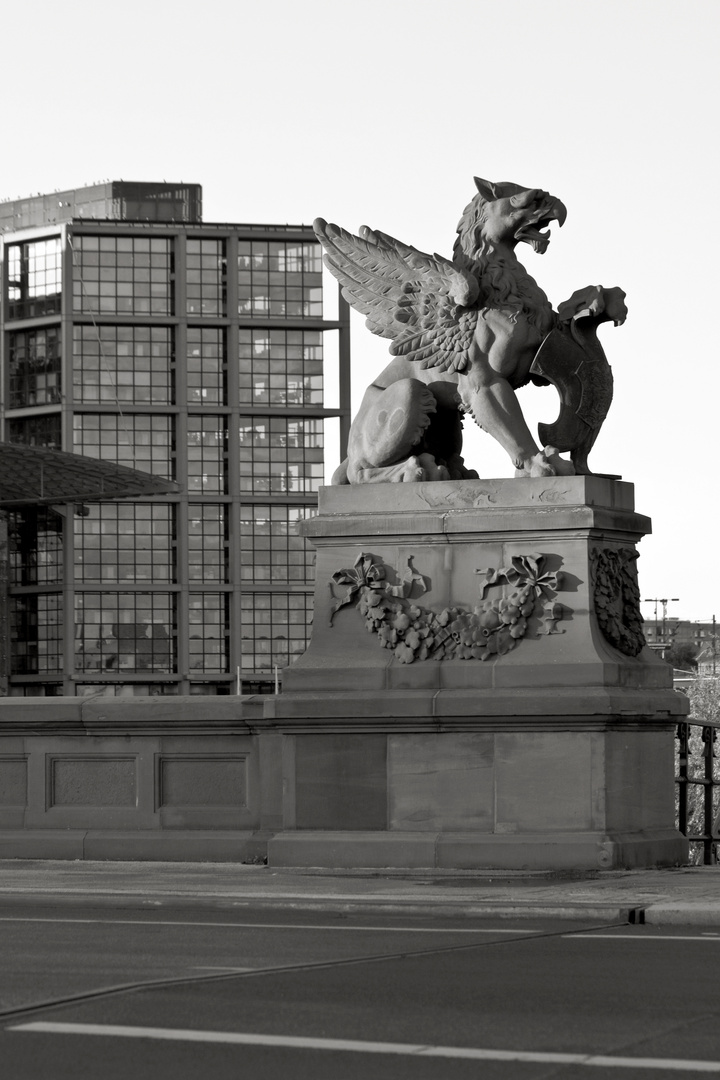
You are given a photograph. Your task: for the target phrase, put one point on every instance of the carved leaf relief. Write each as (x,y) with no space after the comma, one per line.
(616,597)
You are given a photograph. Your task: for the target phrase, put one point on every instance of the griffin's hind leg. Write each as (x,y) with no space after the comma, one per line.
(386,435)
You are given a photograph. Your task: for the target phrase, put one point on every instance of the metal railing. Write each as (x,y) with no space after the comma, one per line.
(697,789)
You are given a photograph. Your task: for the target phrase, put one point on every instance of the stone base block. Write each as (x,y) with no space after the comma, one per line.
(132,845)
(588,796)
(477,691)
(460,851)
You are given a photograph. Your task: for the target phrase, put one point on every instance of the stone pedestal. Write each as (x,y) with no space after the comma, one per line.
(477,692)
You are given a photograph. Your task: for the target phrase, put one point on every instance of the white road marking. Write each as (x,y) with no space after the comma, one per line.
(277,926)
(359,1047)
(643,937)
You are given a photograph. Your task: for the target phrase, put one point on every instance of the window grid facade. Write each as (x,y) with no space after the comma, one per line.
(140,441)
(42,430)
(280,279)
(206,277)
(35,547)
(209,620)
(34,278)
(271,548)
(207,454)
(275,629)
(36,638)
(125,543)
(133,632)
(280,367)
(34,367)
(280,456)
(206,365)
(123,275)
(208,543)
(150,387)
(122,364)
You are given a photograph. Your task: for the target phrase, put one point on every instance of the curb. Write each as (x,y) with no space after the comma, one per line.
(655,913)
(683,913)
(610,912)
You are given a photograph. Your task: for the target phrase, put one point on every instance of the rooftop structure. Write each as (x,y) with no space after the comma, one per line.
(118,200)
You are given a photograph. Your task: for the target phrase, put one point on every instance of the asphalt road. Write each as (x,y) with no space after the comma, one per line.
(187,993)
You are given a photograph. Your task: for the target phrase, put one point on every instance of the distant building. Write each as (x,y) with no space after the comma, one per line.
(134,332)
(701,636)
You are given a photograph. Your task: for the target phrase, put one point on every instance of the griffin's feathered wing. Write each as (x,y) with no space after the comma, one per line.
(426,304)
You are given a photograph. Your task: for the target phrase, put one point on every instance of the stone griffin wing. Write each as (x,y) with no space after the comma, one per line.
(426,304)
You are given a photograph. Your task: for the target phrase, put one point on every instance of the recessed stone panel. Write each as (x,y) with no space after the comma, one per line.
(13,781)
(544,781)
(89,781)
(341,781)
(441,782)
(203,781)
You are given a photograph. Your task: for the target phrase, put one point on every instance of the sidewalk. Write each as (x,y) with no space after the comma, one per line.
(688,896)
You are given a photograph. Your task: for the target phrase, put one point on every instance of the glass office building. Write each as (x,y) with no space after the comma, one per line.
(214,355)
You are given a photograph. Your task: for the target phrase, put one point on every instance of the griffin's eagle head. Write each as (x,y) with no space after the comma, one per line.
(506,213)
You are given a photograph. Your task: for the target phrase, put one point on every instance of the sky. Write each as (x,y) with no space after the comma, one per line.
(380,112)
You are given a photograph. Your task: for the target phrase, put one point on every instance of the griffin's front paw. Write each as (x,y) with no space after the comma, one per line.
(605,305)
(615,308)
(537,466)
(547,463)
(559,464)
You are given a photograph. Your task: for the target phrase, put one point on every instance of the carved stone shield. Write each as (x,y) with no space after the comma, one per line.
(573,360)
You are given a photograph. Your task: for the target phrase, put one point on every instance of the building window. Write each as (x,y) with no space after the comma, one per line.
(34,367)
(34,278)
(279,279)
(36,634)
(206,366)
(130,632)
(275,629)
(35,547)
(208,543)
(207,454)
(36,431)
(118,364)
(138,441)
(209,629)
(281,455)
(125,542)
(270,545)
(280,367)
(123,275)
(206,277)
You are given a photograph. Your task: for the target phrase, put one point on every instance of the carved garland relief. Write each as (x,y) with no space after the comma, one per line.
(616,598)
(523,605)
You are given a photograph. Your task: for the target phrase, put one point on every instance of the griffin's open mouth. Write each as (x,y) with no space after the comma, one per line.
(546,211)
(531,234)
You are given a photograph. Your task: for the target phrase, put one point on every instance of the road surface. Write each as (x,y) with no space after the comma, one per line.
(183,993)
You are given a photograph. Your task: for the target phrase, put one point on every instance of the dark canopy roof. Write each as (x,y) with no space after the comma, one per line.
(33,476)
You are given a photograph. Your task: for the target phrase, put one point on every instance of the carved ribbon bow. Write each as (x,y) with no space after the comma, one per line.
(364,574)
(367,574)
(525,570)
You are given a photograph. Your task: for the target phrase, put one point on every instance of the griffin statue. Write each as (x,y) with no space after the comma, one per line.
(466,334)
